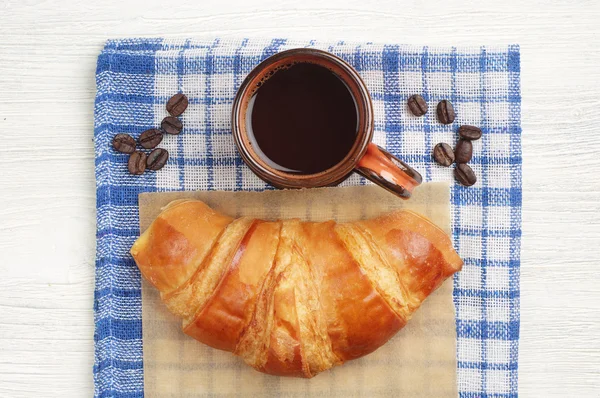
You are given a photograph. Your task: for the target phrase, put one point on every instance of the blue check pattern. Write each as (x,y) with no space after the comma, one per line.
(135,78)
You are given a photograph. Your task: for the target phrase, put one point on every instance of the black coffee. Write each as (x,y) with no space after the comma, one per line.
(302,119)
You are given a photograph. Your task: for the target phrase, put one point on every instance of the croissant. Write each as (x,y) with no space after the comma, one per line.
(292,298)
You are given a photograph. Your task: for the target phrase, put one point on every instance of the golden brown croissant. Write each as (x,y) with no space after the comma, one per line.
(292,298)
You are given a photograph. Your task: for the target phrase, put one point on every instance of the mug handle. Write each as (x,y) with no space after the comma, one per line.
(387,171)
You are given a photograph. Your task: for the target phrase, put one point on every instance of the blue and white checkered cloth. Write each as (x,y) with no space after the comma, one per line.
(136,77)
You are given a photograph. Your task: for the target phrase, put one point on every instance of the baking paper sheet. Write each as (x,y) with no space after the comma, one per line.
(420,361)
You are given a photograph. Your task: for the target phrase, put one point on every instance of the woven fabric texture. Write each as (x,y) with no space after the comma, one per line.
(136,77)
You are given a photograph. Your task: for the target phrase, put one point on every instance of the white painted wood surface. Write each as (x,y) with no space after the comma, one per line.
(48,52)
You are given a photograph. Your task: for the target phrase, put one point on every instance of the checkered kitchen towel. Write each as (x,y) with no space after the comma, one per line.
(135,77)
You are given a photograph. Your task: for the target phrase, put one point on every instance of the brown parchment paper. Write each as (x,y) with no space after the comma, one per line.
(420,361)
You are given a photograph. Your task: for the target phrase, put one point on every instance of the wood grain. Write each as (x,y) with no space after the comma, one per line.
(47,202)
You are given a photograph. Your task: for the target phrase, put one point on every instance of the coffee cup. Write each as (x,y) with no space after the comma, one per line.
(303,118)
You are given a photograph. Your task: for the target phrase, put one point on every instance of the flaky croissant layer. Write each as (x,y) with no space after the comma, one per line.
(292,298)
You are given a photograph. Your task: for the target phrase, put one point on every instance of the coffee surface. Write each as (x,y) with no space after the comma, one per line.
(302,119)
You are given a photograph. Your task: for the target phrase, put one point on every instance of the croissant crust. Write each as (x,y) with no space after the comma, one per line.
(293,298)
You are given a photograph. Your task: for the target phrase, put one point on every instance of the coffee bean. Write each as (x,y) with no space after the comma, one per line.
(124,143)
(464,151)
(171,125)
(157,159)
(465,175)
(177,104)
(471,133)
(417,105)
(443,154)
(150,138)
(445,112)
(137,163)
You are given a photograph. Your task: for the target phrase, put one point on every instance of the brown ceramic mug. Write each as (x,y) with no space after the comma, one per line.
(364,157)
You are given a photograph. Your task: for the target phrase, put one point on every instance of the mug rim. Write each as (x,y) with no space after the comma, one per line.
(338,172)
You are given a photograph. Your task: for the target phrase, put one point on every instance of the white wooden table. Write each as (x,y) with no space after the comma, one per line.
(48,53)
